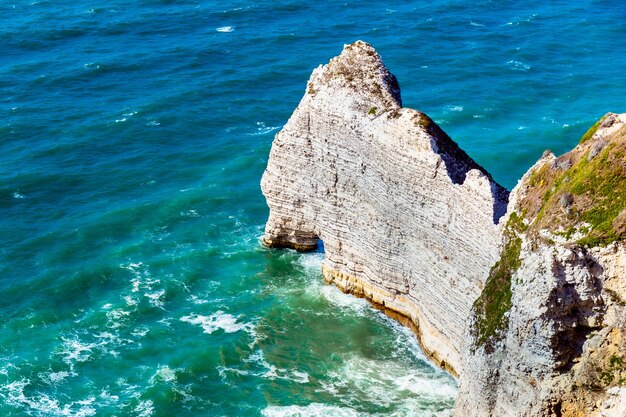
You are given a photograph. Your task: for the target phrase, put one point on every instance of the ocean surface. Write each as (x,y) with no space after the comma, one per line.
(133,136)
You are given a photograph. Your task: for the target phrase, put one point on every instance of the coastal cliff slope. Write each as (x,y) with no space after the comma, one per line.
(408,220)
(549,329)
(523,296)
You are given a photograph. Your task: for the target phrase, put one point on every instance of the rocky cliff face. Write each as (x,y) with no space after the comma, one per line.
(549,330)
(528,308)
(408,220)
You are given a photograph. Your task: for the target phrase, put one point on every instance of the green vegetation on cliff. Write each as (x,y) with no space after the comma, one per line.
(490,309)
(583,191)
(580,195)
(592,130)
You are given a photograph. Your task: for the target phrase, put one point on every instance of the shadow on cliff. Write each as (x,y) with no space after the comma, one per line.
(573,313)
(458,164)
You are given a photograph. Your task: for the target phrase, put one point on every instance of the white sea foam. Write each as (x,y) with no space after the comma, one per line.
(518,65)
(73,350)
(454,108)
(196,300)
(225,29)
(262,129)
(425,387)
(312,262)
(155,298)
(117,318)
(142,281)
(472,23)
(107,338)
(311,410)
(140,331)
(13,395)
(18,195)
(165,374)
(216,321)
(167,322)
(108,398)
(257,357)
(55,378)
(334,296)
(388,382)
(153,123)
(224,370)
(144,408)
(5,369)
(123,119)
(265,370)
(130,301)
(300,377)
(189,213)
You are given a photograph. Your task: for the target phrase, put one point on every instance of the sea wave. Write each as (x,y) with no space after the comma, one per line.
(311,410)
(216,321)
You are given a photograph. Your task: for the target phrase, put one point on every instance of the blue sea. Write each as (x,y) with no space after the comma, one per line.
(133,136)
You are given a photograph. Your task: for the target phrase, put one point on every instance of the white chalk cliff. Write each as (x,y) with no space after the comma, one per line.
(408,220)
(516,304)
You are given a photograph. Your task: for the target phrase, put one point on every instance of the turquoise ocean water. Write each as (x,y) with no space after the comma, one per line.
(133,136)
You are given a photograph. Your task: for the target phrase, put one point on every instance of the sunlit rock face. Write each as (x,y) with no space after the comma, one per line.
(407,218)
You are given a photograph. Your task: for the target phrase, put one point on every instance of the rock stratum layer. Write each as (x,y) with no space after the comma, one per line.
(528,308)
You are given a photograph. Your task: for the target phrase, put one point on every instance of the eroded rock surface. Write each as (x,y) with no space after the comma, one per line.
(408,220)
(559,347)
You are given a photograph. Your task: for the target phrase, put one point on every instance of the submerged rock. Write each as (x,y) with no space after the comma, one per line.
(527,308)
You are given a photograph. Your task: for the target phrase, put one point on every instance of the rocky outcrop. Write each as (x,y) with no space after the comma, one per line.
(407,219)
(550,338)
(527,308)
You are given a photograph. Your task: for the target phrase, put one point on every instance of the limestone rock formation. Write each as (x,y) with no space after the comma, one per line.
(408,220)
(549,329)
(528,308)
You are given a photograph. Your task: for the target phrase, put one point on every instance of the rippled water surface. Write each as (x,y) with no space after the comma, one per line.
(133,136)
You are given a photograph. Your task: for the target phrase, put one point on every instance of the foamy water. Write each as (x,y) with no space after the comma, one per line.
(219,320)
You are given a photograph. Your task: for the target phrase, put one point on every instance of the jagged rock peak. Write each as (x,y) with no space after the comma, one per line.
(374,90)
(360,68)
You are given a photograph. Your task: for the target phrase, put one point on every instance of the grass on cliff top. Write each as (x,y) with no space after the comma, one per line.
(490,309)
(592,130)
(582,193)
